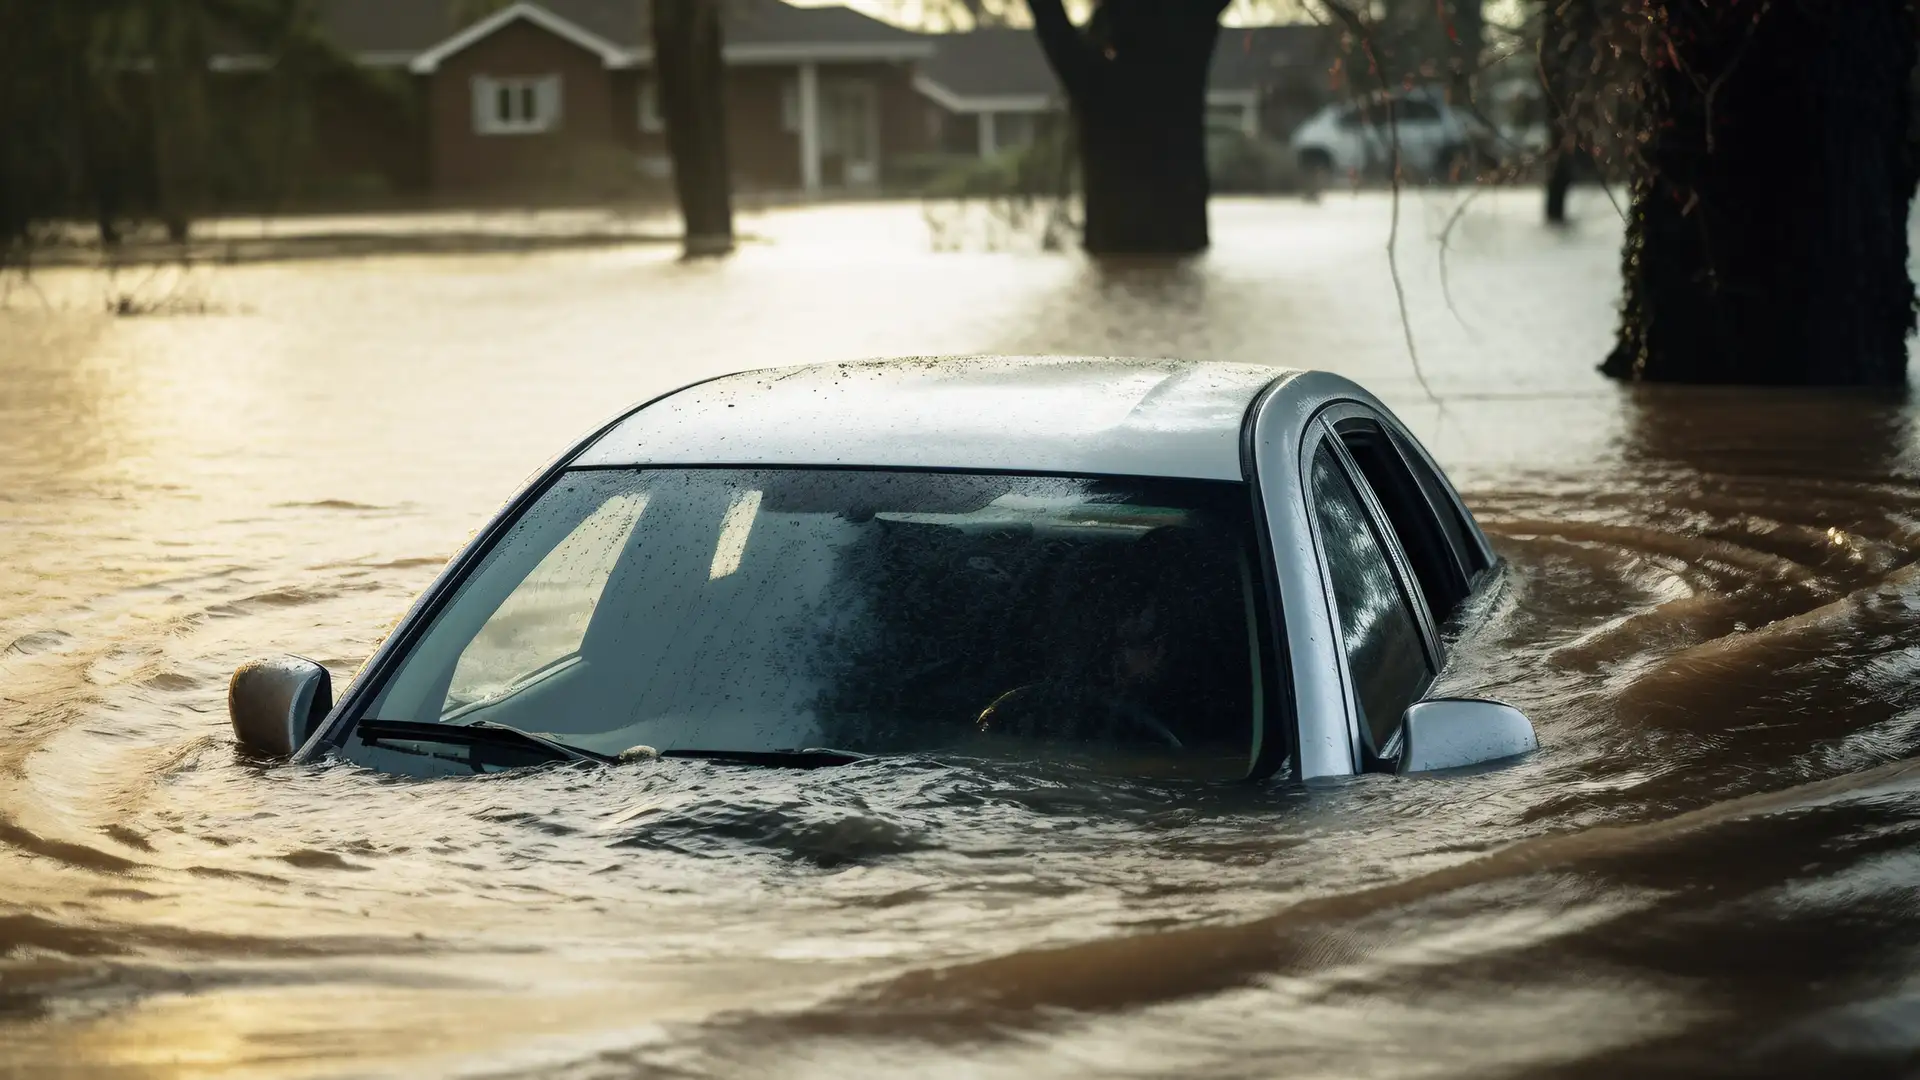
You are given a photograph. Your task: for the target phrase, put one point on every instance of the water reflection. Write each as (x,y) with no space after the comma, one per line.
(1708,870)
(1758,433)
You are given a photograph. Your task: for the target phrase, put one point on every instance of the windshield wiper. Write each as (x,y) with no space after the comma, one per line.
(477,733)
(488,733)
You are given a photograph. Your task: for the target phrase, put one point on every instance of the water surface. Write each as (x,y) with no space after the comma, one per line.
(1710,869)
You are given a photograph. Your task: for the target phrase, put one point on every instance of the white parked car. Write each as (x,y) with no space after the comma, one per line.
(1358,138)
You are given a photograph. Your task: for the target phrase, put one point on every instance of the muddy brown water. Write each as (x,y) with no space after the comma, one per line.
(1712,868)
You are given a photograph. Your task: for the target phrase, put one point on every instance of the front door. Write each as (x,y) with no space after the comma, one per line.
(850,133)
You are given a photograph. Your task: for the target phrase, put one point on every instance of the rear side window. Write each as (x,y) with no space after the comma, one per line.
(1419,523)
(1379,635)
(1440,497)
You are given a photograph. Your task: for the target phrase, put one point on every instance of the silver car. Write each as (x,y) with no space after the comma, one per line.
(1196,569)
(1417,129)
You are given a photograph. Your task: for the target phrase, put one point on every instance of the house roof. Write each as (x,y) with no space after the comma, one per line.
(1003,69)
(421,33)
(988,71)
(770,22)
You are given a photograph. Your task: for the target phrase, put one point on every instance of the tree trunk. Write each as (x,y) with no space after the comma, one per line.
(1561,40)
(180,119)
(1768,236)
(1559,182)
(1466,35)
(1565,154)
(1137,84)
(687,63)
(102,159)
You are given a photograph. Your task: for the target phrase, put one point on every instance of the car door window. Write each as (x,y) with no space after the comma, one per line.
(1416,521)
(1380,636)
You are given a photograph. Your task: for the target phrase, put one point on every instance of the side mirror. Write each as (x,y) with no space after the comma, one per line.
(1451,733)
(276,704)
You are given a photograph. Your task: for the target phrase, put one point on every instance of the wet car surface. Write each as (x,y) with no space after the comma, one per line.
(1707,871)
(1231,570)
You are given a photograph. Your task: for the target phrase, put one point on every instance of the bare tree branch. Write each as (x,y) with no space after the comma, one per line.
(1363,32)
(1446,245)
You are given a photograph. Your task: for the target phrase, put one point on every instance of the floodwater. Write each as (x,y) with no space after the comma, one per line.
(1711,868)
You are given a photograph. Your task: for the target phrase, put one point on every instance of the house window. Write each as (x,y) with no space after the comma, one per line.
(650,119)
(518,106)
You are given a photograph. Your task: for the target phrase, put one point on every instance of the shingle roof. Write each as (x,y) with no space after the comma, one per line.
(991,63)
(623,22)
(1007,62)
(770,22)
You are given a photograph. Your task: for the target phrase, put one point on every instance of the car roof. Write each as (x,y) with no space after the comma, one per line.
(1047,415)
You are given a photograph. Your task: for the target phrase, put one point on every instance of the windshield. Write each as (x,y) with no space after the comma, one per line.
(870,611)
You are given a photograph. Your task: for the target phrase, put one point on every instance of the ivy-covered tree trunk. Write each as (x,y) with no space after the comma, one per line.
(687,62)
(1136,80)
(1768,236)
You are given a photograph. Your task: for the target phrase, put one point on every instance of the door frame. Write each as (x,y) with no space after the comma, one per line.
(835,93)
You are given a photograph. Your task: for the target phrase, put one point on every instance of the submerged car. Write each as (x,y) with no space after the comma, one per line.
(1204,569)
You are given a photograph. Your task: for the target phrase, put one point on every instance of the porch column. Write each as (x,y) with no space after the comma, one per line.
(989,140)
(810,128)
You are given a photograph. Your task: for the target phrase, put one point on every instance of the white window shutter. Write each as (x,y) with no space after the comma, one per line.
(549,103)
(483,119)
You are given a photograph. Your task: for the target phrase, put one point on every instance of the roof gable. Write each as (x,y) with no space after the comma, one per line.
(610,54)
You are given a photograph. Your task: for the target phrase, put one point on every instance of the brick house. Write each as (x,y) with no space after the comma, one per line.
(556,98)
